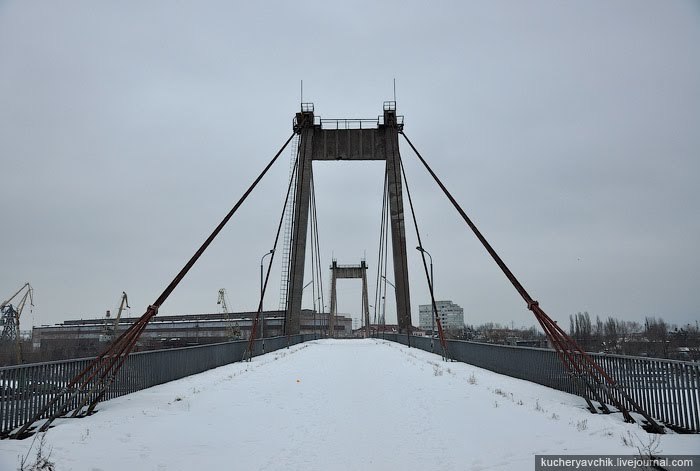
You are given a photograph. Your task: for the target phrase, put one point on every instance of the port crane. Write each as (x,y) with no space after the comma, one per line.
(10,316)
(111,331)
(233,331)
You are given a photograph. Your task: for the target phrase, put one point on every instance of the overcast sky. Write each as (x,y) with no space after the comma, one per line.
(568,131)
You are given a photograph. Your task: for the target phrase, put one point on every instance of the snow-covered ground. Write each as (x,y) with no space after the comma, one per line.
(339,405)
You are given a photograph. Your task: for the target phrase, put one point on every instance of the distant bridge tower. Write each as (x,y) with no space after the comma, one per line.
(347,140)
(348,271)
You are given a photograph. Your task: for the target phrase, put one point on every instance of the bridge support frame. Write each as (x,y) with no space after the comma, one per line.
(347,140)
(348,271)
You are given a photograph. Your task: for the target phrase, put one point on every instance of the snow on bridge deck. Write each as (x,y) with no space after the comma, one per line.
(334,405)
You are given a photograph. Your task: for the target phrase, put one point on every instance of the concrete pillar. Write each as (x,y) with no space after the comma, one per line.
(302,199)
(339,143)
(398,230)
(334,300)
(365,299)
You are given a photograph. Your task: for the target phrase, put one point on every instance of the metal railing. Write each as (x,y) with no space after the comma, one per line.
(27,389)
(348,123)
(345,124)
(669,390)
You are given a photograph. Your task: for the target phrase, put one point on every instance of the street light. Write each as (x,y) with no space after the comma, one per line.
(314,301)
(320,306)
(262,311)
(432,292)
(384,306)
(392,284)
(369,306)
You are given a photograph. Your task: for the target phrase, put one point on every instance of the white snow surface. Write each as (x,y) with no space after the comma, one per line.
(338,405)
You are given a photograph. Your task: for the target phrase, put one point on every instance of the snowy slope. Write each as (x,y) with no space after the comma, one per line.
(339,404)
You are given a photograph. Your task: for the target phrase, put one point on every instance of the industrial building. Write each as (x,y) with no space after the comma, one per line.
(181,330)
(451,316)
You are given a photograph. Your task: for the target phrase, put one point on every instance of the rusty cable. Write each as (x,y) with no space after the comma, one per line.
(111,362)
(441,333)
(253,331)
(533,305)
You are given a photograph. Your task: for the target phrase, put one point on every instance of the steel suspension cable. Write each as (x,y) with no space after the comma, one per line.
(317,247)
(380,257)
(528,299)
(248,354)
(314,258)
(531,304)
(314,243)
(107,364)
(385,265)
(108,375)
(563,341)
(441,333)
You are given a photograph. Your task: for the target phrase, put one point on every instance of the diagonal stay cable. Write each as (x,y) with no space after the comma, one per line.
(153,309)
(316,248)
(107,364)
(316,280)
(443,344)
(382,228)
(319,268)
(248,354)
(565,356)
(571,347)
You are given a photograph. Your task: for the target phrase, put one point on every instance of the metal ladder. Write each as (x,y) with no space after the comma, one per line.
(288,222)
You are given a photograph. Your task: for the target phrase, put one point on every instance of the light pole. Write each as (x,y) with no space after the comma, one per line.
(262,311)
(432,292)
(370,324)
(302,290)
(390,283)
(320,306)
(384,307)
(324,322)
(383,312)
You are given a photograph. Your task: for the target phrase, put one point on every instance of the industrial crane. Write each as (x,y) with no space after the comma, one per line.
(10,317)
(232,331)
(111,330)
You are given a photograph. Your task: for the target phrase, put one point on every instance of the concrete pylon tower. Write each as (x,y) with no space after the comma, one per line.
(347,139)
(348,271)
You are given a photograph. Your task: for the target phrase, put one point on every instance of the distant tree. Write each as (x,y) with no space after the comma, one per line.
(534,333)
(634,327)
(598,331)
(656,331)
(572,326)
(582,329)
(610,334)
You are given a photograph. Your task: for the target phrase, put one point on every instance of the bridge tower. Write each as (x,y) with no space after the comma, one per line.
(329,140)
(348,271)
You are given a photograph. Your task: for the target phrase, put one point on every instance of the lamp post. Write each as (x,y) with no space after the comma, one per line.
(302,290)
(324,321)
(382,320)
(262,311)
(384,307)
(432,305)
(390,283)
(320,306)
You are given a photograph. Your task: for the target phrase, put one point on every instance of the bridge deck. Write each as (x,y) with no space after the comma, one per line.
(338,404)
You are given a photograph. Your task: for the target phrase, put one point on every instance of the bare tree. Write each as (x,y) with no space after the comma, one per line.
(656,331)
(611,334)
(582,329)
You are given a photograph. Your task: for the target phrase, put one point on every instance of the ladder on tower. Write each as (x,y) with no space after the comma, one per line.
(288,223)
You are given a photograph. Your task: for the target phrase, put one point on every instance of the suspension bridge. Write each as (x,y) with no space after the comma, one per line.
(656,394)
